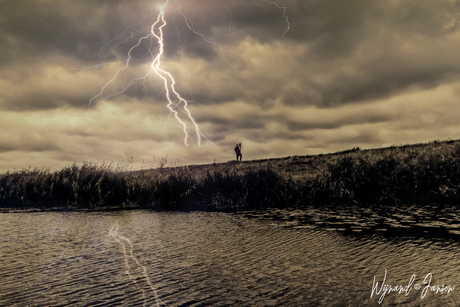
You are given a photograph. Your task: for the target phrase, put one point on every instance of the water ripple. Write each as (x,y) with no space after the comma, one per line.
(203,259)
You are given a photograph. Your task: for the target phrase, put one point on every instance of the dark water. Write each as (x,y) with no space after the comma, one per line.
(142,258)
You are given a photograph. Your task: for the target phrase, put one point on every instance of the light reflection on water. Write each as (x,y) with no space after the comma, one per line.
(209,259)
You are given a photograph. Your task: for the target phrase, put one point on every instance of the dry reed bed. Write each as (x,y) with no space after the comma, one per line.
(397,176)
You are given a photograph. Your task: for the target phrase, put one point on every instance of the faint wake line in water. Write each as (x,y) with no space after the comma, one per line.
(117,237)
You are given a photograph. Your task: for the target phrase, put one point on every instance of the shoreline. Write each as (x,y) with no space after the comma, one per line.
(406,175)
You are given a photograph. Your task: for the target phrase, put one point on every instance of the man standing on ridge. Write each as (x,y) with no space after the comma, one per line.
(238,152)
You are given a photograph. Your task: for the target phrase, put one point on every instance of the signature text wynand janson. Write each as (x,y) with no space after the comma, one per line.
(426,287)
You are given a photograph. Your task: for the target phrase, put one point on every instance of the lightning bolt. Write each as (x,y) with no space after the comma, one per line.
(168,79)
(176,102)
(224,49)
(286,30)
(228,9)
(284,9)
(208,40)
(177,105)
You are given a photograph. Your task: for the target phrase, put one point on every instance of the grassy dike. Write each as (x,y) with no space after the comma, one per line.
(420,174)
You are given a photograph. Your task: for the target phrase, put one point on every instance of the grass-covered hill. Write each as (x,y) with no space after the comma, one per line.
(405,175)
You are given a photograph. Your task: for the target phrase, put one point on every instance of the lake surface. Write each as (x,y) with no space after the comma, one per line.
(144,258)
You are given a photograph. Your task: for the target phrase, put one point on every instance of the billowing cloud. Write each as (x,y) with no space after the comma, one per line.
(284,77)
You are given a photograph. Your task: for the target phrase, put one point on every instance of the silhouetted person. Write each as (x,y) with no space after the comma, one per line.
(238,152)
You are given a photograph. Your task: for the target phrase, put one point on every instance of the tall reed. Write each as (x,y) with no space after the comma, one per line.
(395,176)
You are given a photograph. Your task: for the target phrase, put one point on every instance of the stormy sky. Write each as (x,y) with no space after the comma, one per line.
(285,77)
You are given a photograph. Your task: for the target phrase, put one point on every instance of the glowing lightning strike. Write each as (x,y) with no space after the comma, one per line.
(288,27)
(156,31)
(176,103)
(168,79)
(208,40)
(225,50)
(286,30)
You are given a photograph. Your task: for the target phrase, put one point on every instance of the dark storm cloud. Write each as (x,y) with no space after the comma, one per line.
(78,29)
(235,16)
(335,123)
(32,95)
(88,30)
(326,83)
(383,82)
(30,102)
(335,27)
(364,50)
(238,122)
(278,135)
(357,50)
(339,52)
(361,138)
(28,145)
